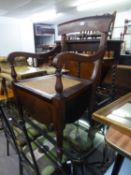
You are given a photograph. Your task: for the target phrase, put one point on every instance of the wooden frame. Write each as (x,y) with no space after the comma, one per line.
(101,115)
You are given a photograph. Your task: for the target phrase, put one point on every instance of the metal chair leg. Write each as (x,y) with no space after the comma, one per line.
(20,167)
(7,147)
(117,165)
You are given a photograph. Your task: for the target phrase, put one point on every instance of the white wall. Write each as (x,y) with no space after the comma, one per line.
(27,36)
(119,23)
(119,28)
(15,35)
(9,36)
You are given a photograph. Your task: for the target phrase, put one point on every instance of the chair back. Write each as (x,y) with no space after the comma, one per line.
(83,43)
(85,38)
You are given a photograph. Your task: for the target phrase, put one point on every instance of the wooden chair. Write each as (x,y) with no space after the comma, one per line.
(23,71)
(82,59)
(71,95)
(65,98)
(18,63)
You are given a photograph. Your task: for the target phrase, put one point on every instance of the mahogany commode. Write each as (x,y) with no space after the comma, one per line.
(61,99)
(39,96)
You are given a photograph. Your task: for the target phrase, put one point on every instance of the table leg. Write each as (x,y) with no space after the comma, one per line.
(117,165)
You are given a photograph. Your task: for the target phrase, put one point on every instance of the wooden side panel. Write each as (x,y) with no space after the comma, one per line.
(40,109)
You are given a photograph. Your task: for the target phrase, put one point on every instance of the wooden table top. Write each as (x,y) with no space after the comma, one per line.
(121,142)
(116,114)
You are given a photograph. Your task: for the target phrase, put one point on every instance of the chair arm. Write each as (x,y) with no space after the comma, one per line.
(48,56)
(40,57)
(61,58)
(64,57)
(12,60)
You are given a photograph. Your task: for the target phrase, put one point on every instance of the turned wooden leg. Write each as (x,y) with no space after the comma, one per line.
(59,136)
(4,87)
(59,123)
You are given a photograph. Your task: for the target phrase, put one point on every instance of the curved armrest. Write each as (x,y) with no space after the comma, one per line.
(12,58)
(48,56)
(63,57)
(40,57)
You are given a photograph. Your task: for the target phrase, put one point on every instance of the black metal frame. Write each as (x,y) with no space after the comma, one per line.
(11,138)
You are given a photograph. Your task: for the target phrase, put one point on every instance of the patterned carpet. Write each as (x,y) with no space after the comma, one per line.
(81,144)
